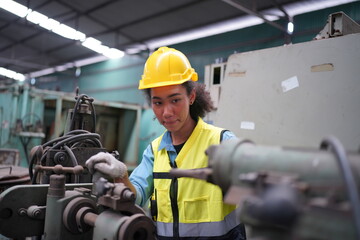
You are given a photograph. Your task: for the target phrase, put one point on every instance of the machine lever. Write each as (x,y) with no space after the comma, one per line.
(58,169)
(199,173)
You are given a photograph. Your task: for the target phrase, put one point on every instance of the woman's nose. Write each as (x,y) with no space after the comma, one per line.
(167,112)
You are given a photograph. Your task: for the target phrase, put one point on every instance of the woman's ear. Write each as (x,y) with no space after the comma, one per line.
(192,96)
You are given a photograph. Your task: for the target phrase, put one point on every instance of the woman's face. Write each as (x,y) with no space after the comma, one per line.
(171,106)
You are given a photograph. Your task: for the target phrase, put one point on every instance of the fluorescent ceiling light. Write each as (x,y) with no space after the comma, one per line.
(36,17)
(11,74)
(49,24)
(58,28)
(225,26)
(90,42)
(94,45)
(113,53)
(68,32)
(14,8)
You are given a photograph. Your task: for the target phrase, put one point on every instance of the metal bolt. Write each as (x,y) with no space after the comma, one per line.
(36,213)
(60,157)
(129,195)
(22,212)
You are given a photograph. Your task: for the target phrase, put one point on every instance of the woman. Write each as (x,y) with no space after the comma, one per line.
(182,207)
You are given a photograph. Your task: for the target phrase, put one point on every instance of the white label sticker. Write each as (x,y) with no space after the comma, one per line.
(247,125)
(289,84)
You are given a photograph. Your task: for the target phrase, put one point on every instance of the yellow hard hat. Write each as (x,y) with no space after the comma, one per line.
(166,66)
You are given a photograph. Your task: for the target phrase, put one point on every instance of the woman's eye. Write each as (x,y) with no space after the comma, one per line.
(175,100)
(157,103)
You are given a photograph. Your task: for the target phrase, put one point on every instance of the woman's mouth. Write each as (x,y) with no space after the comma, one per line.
(169,122)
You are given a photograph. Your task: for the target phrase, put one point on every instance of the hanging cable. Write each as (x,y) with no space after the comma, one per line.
(332,143)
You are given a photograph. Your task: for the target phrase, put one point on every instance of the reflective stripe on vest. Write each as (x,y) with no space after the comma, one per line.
(203,229)
(199,204)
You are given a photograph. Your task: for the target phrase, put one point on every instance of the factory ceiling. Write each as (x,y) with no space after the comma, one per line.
(127,25)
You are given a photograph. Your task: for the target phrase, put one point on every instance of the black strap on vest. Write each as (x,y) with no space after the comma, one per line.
(162,175)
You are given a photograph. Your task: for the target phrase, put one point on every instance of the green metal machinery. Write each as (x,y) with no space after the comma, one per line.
(286,192)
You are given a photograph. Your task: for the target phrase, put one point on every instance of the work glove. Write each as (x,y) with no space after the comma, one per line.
(106,165)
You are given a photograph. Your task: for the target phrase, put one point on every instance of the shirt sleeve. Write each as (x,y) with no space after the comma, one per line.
(228,135)
(142,177)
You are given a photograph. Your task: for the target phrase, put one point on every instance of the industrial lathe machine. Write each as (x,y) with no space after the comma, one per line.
(65,201)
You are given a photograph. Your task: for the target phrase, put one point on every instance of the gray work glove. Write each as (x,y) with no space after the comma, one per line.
(105,164)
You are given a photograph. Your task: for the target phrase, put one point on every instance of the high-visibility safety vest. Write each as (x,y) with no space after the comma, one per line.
(188,207)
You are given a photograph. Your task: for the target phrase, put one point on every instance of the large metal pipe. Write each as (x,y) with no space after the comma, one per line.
(318,168)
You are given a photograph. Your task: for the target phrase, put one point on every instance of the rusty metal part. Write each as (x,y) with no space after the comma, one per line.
(118,197)
(90,218)
(83,225)
(137,226)
(114,225)
(74,212)
(59,169)
(57,186)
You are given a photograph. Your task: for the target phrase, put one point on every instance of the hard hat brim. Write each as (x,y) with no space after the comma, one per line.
(194,78)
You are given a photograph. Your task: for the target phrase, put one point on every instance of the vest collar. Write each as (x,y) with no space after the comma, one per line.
(166,138)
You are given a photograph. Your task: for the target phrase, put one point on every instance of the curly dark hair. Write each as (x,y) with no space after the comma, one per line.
(202,104)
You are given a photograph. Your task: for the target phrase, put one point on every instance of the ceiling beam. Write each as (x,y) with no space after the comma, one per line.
(254,13)
(22,63)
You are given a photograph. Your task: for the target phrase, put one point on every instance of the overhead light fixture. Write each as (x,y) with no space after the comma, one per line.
(14,8)
(113,53)
(59,28)
(36,17)
(68,32)
(94,44)
(11,74)
(49,24)
(290,27)
(225,26)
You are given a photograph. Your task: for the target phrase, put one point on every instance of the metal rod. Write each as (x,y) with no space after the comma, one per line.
(90,218)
